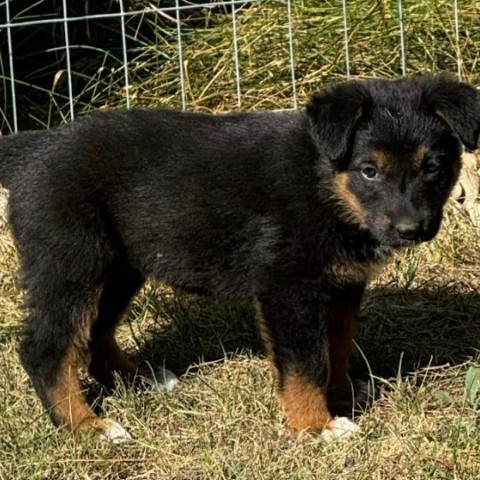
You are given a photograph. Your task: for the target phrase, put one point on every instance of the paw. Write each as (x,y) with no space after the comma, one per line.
(352,396)
(113,432)
(165,379)
(362,393)
(339,427)
(103,429)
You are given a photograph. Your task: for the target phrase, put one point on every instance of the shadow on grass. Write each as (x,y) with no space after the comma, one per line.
(401,330)
(194,329)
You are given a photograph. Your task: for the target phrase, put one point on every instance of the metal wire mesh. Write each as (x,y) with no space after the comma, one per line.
(62,20)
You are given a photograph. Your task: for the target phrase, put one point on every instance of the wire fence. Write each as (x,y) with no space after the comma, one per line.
(62,59)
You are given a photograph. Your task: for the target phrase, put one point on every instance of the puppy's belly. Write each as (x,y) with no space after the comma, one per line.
(202,277)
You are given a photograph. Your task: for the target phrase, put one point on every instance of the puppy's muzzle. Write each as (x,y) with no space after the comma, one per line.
(409,229)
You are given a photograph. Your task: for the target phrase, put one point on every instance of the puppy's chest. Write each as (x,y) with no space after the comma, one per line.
(356,267)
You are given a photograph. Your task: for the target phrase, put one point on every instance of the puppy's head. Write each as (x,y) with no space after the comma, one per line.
(391,151)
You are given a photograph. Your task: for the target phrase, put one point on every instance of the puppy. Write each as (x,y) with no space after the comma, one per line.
(290,210)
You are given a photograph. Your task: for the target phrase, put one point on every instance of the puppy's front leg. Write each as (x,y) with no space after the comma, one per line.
(295,333)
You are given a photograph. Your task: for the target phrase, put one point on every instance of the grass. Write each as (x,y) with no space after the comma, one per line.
(420,332)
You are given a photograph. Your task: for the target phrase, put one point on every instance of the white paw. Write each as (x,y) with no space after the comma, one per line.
(165,379)
(339,427)
(115,433)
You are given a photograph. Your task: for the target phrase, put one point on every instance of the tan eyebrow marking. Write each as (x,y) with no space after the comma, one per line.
(418,156)
(381,159)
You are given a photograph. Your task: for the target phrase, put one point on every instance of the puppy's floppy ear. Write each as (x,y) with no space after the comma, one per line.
(335,112)
(458,104)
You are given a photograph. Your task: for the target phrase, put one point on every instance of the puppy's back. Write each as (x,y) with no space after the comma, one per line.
(17,151)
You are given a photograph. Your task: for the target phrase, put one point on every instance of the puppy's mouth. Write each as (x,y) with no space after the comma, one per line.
(391,239)
(400,243)
(396,232)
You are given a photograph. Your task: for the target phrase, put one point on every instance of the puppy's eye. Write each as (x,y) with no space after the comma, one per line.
(432,167)
(369,172)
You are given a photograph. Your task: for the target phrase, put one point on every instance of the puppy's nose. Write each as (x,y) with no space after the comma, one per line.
(408,229)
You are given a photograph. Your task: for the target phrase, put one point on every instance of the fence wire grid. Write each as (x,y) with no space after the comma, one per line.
(60,59)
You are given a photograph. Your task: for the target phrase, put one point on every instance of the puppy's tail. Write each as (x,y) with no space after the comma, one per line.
(16,152)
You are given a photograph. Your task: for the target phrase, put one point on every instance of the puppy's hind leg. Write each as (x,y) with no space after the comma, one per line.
(63,281)
(107,358)
(54,347)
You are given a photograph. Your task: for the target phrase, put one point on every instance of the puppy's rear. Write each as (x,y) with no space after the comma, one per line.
(17,153)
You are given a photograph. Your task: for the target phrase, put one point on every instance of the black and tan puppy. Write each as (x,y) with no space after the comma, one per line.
(290,210)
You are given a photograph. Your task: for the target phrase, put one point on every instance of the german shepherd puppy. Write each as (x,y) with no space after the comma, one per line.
(290,210)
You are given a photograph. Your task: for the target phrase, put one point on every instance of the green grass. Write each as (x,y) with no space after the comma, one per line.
(420,332)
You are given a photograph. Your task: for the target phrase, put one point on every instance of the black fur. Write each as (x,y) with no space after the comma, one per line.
(246,205)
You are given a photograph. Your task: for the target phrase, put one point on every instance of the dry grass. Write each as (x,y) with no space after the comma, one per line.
(374,51)
(420,332)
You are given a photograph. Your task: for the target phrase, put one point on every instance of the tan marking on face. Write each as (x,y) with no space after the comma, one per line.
(418,156)
(352,209)
(381,159)
(305,404)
